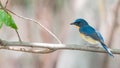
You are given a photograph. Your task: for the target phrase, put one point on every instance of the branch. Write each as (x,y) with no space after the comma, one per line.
(45,48)
(35,21)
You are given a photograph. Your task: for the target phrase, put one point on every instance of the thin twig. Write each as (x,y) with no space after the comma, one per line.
(35,21)
(6,3)
(45,48)
(1,5)
(20,40)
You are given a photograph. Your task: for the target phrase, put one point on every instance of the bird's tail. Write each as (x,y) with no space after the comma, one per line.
(107,49)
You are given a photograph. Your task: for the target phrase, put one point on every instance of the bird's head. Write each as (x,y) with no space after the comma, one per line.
(79,22)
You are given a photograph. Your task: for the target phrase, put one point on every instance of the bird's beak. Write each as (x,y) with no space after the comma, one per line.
(71,23)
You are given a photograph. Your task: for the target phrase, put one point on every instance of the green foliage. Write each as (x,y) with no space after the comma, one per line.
(6,18)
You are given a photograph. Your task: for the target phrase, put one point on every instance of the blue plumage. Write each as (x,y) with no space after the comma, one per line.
(90,34)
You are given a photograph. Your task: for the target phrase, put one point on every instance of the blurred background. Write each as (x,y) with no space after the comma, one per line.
(56,15)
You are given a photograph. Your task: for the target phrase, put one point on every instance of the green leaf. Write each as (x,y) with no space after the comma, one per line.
(6,18)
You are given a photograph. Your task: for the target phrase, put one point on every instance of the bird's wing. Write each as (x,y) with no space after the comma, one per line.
(91,32)
(100,36)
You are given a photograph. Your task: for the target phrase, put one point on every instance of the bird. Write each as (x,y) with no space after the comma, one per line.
(89,34)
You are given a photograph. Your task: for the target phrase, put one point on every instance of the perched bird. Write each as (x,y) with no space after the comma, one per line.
(89,34)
